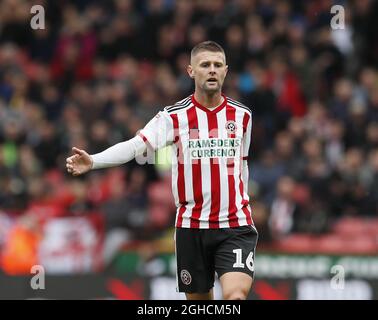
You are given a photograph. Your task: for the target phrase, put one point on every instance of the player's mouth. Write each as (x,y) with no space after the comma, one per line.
(212,80)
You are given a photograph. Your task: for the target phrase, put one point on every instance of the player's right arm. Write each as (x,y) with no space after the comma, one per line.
(156,134)
(81,162)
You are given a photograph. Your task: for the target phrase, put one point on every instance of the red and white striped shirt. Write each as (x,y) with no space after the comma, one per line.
(209,161)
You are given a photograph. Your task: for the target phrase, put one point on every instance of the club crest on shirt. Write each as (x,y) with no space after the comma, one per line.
(231,126)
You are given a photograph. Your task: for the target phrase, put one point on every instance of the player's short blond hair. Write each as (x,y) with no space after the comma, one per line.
(206,46)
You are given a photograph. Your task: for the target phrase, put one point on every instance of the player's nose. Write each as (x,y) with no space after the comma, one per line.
(212,68)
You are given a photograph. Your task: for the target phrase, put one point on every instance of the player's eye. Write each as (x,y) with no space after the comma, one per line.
(205,64)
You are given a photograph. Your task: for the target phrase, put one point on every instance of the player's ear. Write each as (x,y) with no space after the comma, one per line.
(226,69)
(190,71)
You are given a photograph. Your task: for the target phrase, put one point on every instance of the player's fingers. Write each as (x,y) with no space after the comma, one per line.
(77,151)
(71,160)
(76,172)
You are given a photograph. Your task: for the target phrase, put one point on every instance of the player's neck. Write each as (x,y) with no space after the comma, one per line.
(209,101)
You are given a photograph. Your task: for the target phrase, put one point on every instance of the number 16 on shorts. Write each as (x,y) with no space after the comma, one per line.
(239,263)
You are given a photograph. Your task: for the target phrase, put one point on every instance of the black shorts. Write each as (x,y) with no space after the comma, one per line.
(202,252)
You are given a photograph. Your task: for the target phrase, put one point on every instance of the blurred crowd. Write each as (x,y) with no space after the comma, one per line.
(101,69)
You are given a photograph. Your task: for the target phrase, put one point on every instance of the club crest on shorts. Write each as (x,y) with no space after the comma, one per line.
(231,126)
(186,278)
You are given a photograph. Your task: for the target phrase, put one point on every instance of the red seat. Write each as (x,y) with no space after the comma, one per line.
(350,226)
(334,243)
(295,243)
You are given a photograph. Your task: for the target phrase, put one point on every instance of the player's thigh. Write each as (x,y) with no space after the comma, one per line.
(236,253)
(235,285)
(200,296)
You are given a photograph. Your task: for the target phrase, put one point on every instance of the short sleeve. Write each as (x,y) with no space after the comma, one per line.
(247,137)
(158,132)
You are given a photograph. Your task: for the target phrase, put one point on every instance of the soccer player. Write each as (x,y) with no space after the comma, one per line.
(210,135)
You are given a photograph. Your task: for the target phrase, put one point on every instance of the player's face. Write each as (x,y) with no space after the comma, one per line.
(208,69)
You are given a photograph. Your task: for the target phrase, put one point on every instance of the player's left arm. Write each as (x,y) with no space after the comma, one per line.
(245,151)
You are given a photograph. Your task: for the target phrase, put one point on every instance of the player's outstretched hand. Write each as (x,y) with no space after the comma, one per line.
(78,163)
